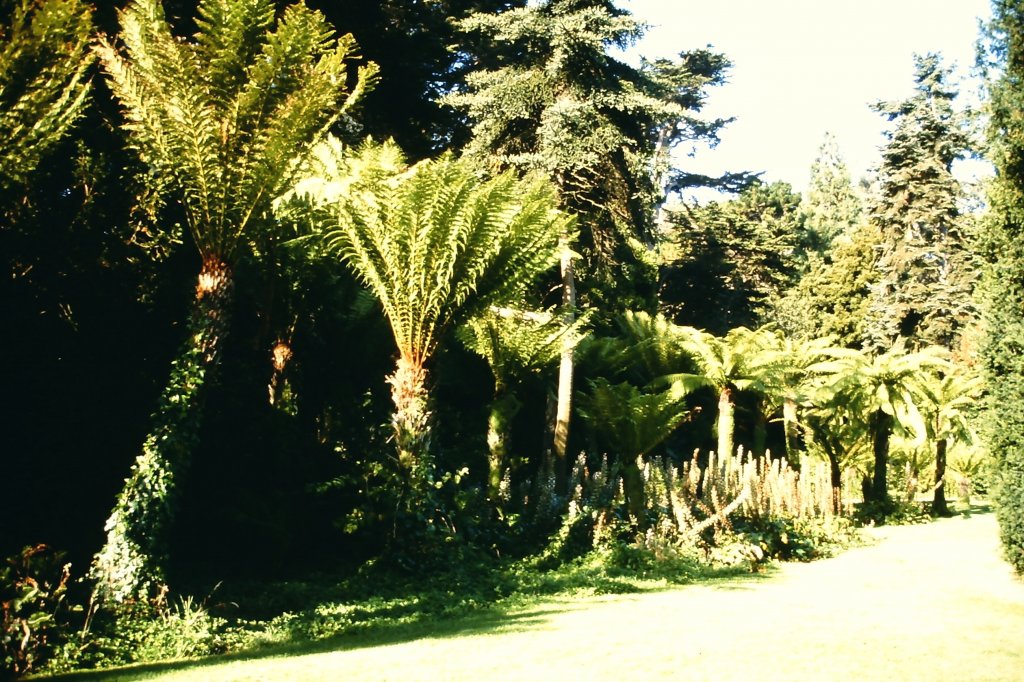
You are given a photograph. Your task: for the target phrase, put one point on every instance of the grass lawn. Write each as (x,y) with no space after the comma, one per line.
(931,602)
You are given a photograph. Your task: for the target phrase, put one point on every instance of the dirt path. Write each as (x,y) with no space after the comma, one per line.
(932,602)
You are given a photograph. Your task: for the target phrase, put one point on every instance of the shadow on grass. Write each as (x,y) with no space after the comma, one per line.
(412,619)
(974,508)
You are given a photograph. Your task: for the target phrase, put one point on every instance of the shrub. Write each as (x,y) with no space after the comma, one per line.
(34,609)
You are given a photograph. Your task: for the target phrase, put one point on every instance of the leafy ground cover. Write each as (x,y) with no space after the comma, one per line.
(929,601)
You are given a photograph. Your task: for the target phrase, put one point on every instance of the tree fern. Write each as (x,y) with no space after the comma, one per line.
(223,122)
(435,243)
(515,343)
(886,390)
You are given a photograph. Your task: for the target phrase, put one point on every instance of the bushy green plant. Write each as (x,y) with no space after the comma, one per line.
(142,632)
(34,609)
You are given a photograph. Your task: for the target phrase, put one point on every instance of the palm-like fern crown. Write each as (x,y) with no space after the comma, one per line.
(515,341)
(44,59)
(221,121)
(892,382)
(436,243)
(743,358)
(629,420)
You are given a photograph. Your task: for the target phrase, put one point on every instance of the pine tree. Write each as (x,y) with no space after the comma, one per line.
(1003,289)
(924,293)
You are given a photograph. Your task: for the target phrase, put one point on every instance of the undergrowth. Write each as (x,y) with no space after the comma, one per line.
(748,514)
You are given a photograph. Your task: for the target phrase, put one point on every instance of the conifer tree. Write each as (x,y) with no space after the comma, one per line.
(832,206)
(924,293)
(735,259)
(834,295)
(548,95)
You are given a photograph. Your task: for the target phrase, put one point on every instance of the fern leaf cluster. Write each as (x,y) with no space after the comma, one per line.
(224,119)
(516,342)
(436,242)
(44,65)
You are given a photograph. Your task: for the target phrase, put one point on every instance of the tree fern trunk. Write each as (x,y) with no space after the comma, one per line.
(411,420)
(504,408)
(881,429)
(837,483)
(760,444)
(726,424)
(789,425)
(132,563)
(939,506)
(565,371)
(633,487)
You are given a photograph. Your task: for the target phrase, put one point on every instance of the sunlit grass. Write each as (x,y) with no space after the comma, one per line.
(932,601)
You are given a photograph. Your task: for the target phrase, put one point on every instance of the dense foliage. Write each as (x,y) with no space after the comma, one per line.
(373,376)
(1004,264)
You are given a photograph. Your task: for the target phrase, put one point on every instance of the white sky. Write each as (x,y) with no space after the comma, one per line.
(804,67)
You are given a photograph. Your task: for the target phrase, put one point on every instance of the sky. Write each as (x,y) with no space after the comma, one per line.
(802,68)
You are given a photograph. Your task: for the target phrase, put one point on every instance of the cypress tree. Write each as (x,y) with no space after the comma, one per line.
(1003,278)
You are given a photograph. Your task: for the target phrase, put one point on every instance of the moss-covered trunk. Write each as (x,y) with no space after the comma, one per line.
(633,487)
(132,563)
(504,409)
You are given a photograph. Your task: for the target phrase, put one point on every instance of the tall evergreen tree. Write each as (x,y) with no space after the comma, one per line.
(422,57)
(834,296)
(734,260)
(1003,289)
(219,121)
(549,96)
(925,289)
(832,205)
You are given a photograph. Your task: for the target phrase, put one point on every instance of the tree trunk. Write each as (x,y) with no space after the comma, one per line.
(726,423)
(789,425)
(132,563)
(760,433)
(881,429)
(939,506)
(565,372)
(633,486)
(504,408)
(411,419)
(837,483)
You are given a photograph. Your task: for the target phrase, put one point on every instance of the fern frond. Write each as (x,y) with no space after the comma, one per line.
(230,117)
(229,38)
(44,62)
(436,242)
